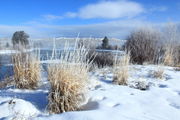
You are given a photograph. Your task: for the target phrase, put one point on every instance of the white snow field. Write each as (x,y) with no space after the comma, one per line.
(106,101)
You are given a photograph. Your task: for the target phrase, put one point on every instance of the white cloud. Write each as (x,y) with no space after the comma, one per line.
(109,10)
(117,29)
(50,17)
(33,30)
(70,14)
(159,9)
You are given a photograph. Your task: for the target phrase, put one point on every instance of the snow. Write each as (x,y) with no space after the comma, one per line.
(106,101)
(14,108)
(8,51)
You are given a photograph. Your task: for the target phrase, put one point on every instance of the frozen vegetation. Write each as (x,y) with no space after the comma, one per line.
(159,101)
(137,81)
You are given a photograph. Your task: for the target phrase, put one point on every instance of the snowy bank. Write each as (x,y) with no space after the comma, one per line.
(106,101)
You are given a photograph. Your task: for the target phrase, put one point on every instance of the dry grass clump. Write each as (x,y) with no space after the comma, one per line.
(172,56)
(68,78)
(26,70)
(169,57)
(121,68)
(172,45)
(159,73)
(177,55)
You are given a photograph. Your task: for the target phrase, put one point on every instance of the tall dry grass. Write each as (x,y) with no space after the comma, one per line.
(172,56)
(68,77)
(172,45)
(26,70)
(121,68)
(159,72)
(169,56)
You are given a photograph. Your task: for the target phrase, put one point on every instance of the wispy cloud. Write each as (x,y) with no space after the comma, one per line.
(8,30)
(70,14)
(158,9)
(50,17)
(108,10)
(118,28)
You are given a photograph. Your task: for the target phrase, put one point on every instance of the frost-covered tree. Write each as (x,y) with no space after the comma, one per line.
(105,43)
(7,45)
(20,38)
(143,45)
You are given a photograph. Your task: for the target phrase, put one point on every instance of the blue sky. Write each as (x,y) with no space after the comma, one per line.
(97,18)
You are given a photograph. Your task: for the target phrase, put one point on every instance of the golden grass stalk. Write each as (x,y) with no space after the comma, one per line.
(121,68)
(68,78)
(159,73)
(26,70)
(169,57)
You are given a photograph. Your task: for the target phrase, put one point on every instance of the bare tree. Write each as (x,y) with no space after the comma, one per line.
(142,45)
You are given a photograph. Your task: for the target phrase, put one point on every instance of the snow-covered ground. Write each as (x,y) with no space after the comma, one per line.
(9,51)
(106,101)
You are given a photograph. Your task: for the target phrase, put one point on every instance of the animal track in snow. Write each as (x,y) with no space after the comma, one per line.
(175,105)
(163,86)
(91,105)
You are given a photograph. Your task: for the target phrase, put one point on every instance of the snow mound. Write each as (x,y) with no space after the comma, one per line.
(17,109)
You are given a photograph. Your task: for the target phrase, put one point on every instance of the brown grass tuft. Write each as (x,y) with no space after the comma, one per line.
(172,55)
(121,68)
(168,57)
(159,73)
(68,78)
(26,71)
